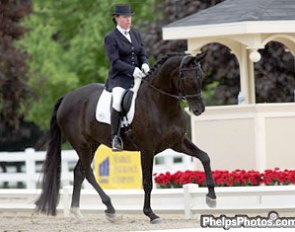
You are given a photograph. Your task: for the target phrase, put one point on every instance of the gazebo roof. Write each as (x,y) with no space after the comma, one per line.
(237,17)
(240,11)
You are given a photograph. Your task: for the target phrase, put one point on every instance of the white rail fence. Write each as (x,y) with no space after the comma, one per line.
(31,165)
(253,199)
(190,201)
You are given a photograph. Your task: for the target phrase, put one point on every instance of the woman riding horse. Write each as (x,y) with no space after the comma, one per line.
(73,119)
(126,54)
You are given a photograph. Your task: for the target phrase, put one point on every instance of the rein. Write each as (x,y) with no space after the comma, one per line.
(181,77)
(178,97)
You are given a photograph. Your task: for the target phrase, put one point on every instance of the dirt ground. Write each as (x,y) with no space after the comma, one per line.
(25,221)
(11,221)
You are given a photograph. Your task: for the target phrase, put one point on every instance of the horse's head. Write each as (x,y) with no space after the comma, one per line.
(185,75)
(190,82)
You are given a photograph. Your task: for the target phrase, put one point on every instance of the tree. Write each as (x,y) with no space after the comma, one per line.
(66,48)
(275,74)
(14,90)
(13,69)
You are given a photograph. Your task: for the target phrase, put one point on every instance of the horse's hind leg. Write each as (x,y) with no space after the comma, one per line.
(78,180)
(86,160)
(79,177)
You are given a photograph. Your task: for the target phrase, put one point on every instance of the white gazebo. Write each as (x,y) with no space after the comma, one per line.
(244,26)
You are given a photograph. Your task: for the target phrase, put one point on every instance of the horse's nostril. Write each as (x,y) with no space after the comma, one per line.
(197,112)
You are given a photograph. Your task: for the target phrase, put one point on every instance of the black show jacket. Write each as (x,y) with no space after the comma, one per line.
(124,56)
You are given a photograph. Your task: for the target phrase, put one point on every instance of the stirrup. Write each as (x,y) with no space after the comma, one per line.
(117,143)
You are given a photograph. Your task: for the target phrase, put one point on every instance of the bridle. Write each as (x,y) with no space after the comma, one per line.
(182,95)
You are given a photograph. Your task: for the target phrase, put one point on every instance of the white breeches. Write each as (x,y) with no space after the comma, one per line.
(117,94)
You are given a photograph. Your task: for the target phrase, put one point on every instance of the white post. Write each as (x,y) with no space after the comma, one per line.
(188,200)
(65,172)
(66,195)
(30,168)
(260,146)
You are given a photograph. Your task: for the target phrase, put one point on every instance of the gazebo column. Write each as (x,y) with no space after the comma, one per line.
(247,81)
(251,79)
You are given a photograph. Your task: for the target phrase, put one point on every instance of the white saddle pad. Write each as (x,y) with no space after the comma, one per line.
(103,109)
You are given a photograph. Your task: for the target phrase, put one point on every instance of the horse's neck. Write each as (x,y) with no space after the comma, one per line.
(165,80)
(161,101)
(166,83)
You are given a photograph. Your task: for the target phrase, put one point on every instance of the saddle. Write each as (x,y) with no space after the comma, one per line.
(126,102)
(103,109)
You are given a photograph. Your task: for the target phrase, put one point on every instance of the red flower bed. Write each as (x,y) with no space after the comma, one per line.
(227,178)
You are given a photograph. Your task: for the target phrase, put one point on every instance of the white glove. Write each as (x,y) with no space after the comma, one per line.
(145,68)
(137,73)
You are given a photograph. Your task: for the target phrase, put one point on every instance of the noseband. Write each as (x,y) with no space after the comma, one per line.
(181,96)
(181,78)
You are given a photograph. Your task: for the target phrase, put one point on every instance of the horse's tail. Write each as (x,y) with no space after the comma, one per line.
(49,197)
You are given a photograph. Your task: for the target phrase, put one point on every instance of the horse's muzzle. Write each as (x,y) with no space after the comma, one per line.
(197,110)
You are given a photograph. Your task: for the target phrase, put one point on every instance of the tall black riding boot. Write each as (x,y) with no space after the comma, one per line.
(117,143)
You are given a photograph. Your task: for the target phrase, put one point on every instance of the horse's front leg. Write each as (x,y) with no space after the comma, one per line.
(187,147)
(147,172)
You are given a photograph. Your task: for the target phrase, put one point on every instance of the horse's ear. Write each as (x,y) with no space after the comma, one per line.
(200,57)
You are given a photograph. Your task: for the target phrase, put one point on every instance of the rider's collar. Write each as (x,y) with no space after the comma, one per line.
(122,30)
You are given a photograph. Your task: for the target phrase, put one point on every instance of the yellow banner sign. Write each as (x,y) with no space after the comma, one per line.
(117,170)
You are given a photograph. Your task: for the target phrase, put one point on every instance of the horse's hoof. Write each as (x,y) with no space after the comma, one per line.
(156,221)
(111,217)
(76,215)
(211,202)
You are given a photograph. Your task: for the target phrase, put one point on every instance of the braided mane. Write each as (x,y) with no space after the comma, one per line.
(160,63)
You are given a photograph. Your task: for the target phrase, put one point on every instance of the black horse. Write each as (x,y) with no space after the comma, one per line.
(159,123)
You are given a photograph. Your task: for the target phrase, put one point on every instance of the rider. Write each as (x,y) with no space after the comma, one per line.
(126,54)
